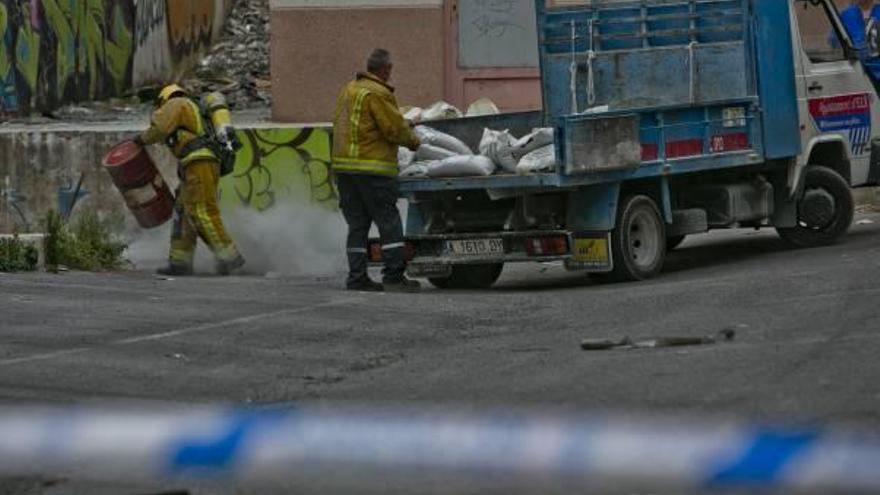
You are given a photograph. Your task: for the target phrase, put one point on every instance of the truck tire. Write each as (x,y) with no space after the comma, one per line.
(638,241)
(469,277)
(673,242)
(825,212)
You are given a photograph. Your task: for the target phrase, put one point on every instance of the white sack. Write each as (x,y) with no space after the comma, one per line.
(413,114)
(419,169)
(427,152)
(540,160)
(462,166)
(483,106)
(539,138)
(405,157)
(442,140)
(498,146)
(441,110)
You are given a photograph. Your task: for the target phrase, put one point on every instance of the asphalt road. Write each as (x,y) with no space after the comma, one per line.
(806,325)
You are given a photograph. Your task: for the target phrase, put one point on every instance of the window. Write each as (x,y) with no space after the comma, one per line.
(820,41)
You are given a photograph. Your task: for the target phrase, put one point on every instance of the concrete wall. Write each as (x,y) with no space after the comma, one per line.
(54,52)
(317,45)
(278,165)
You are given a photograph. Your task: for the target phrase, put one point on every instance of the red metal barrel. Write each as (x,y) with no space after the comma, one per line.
(137,178)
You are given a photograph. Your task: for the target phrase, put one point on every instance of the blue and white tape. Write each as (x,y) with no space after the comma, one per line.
(376,446)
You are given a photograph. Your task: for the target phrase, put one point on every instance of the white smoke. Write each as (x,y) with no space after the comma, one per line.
(288,240)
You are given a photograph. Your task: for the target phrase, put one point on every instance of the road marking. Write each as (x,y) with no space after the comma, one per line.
(232,322)
(44,357)
(179,332)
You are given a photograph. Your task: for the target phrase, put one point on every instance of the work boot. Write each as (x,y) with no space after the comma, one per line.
(176,269)
(402,285)
(365,285)
(226,267)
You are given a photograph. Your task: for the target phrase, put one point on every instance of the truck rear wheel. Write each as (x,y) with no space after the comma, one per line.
(638,241)
(469,277)
(825,212)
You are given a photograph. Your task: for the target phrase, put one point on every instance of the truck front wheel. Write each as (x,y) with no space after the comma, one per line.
(638,242)
(825,212)
(469,277)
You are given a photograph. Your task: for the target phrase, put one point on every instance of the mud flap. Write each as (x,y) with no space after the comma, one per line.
(591,251)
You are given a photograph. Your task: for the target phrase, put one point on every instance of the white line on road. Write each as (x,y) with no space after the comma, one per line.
(44,357)
(179,332)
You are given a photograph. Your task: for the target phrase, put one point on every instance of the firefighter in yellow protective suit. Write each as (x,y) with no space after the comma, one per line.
(178,122)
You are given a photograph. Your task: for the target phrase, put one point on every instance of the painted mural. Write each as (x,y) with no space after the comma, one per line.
(280,165)
(171,34)
(54,52)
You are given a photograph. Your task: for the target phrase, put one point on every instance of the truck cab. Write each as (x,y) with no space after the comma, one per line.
(670,119)
(837,99)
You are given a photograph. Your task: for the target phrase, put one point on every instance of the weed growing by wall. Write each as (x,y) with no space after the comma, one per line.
(88,243)
(16,256)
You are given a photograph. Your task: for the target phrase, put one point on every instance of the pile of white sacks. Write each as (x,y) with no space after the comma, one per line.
(442,155)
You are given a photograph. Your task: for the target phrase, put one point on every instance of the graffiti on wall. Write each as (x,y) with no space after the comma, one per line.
(56,51)
(190,27)
(280,165)
(171,34)
(152,54)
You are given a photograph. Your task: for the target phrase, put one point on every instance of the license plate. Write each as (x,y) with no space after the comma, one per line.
(475,247)
(592,253)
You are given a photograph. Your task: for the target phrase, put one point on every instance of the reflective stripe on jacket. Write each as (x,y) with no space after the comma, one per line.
(181,120)
(368,128)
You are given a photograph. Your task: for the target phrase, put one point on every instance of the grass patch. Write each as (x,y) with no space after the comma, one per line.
(88,243)
(16,256)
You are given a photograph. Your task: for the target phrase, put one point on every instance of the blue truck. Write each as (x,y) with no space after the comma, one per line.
(671,118)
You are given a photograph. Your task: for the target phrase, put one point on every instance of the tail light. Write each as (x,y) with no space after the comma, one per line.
(556,245)
(374,252)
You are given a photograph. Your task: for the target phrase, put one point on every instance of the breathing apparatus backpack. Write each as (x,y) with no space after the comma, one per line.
(220,136)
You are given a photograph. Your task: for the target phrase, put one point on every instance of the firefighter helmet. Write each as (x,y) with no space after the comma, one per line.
(169,92)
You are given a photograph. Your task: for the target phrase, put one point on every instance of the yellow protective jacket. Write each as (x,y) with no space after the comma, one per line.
(368,128)
(179,123)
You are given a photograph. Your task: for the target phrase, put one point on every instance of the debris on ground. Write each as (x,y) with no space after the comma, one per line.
(725,335)
(238,63)
(865,221)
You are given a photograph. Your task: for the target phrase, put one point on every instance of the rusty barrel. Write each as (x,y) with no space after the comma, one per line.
(137,178)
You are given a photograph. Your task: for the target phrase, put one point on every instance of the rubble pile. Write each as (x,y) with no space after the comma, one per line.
(238,63)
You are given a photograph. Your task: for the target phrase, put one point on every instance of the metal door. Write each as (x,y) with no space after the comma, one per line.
(491,51)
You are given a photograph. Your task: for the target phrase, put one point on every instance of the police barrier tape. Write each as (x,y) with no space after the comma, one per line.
(254,447)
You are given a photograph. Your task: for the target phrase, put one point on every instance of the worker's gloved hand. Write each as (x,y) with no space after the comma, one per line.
(233,140)
(139,140)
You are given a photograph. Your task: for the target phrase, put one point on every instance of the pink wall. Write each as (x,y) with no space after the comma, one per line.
(318,45)
(315,50)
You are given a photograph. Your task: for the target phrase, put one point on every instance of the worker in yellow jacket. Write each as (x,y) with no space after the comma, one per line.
(178,122)
(367,131)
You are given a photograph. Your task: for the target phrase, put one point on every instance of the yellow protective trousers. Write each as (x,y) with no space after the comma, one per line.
(197,215)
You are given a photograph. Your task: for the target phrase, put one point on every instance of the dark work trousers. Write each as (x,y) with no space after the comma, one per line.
(366,199)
